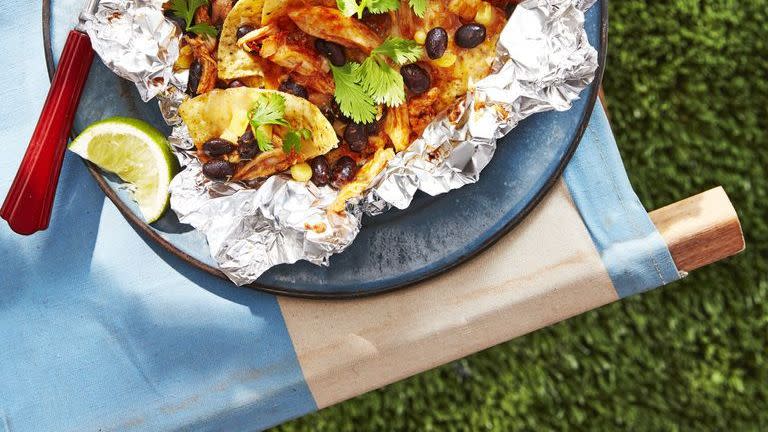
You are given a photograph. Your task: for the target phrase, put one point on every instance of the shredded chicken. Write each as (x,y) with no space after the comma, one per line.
(203,49)
(251,39)
(331,25)
(202,15)
(219,10)
(423,109)
(283,44)
(295,57)
(322,83)
(405,21)
(397,127)
(266,163)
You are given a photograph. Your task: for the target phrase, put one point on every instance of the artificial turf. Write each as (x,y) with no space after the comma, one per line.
(688,100)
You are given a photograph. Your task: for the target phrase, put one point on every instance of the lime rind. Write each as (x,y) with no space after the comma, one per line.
(135,151)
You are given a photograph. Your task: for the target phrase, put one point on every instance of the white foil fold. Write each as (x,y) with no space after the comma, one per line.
(136,42)
(251,230)
(544,61)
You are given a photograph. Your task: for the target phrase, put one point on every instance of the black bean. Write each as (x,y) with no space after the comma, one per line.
(333,51)
(247,138)
(247,145)
(436,42)
(328,112)
(244,30)
(235,84)
(248,151)
(218,169)
(356,136)
(217,147)
(289,86)
(321,171)
(343,171)
(195,72)
(415,78)
(373,128)
(470,35)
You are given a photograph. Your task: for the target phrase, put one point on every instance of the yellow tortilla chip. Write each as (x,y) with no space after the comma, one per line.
(233,61)
(219,112)
(274,9)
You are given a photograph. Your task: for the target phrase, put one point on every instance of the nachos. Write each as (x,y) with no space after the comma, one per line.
(328,89)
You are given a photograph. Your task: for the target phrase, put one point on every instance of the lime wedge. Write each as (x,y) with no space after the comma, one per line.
(138,153)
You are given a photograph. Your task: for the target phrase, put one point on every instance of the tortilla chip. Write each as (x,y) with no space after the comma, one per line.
(220,111)
(233,61)
(274,9)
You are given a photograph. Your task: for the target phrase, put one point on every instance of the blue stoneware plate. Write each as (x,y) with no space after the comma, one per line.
(395,249)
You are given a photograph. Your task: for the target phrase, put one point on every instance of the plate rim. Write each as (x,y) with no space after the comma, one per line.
(169,247)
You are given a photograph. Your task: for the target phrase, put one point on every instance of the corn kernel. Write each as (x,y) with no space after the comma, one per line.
(420,37)
(484,14)
(447,60)
(185,58)
(301,172)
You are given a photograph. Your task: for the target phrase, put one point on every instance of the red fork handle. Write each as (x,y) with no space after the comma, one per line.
(27,207)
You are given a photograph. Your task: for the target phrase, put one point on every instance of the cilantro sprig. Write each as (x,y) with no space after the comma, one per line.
(185,9)
(360,87)
(354,101)
(269,109)
(352,7)
(401,51)
(419,7)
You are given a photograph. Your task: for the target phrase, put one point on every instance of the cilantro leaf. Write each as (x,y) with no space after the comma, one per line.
(353,100)
(263,141)
(419,7)
(400,50)
(351,7)
(347,7)
(185,9)
(379,6)
(292,140)
(268,109)
(360,87)
(381,81)
(204,29)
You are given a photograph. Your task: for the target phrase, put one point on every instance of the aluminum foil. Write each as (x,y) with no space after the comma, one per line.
(135,41)
(543,62)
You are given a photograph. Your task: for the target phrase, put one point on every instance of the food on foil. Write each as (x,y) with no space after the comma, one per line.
(416,93)
(247,133)
(370,76)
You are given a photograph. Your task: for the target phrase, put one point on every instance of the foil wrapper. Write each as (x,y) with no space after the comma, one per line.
(250,230)
(135,41)
(543,62)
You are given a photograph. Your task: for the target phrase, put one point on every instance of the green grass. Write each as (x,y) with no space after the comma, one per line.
(688,99)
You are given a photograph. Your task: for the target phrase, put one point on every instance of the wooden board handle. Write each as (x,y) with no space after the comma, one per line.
(701,229)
